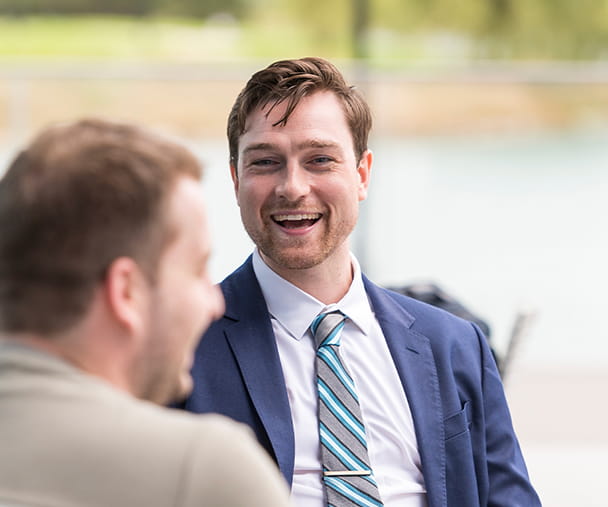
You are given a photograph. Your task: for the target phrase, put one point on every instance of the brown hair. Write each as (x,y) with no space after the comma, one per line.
(80,196)
(291,80)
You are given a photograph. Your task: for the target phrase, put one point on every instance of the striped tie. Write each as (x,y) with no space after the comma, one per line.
(347,475)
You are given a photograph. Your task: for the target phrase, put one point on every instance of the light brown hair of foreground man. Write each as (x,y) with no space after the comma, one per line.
(103,294)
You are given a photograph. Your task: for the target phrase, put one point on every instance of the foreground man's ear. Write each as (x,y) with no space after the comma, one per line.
(125,287)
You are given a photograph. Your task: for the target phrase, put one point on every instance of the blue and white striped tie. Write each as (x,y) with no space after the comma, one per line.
(347,475)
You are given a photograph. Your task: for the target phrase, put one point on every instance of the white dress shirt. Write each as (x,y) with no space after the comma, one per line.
(391,440)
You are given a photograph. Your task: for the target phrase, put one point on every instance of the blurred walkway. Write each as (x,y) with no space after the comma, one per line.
(560,418)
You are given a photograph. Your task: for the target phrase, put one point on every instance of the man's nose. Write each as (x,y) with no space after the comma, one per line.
(294,182)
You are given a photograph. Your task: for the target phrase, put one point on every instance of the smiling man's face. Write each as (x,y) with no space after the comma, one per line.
(299,185)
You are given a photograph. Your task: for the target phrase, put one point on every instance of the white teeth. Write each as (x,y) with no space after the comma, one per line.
(303,216)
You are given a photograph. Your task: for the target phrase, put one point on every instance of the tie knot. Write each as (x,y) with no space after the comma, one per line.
(326,328)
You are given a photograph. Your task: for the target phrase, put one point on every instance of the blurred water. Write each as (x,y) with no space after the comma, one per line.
(505,223)
(508,224)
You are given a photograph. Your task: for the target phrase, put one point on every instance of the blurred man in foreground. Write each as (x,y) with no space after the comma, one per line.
(103,296)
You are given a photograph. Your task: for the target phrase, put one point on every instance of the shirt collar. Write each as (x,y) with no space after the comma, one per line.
(295,309)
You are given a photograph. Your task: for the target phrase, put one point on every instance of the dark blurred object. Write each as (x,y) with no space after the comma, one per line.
(436,296)
(432,294)
(521,326)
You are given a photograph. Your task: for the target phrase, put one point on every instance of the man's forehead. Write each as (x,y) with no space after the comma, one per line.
(301,145)
(315,113)
(275,109)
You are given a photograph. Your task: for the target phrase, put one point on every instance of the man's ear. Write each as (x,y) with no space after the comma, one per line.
(364,170)
(126,290)
(235,179)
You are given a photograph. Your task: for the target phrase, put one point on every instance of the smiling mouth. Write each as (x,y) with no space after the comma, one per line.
(296,220)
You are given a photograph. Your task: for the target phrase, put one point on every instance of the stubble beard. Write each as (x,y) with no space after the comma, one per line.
(300,253)
(166,375)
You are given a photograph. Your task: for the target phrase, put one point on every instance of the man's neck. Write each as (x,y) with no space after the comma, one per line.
(327,282)
(81,350)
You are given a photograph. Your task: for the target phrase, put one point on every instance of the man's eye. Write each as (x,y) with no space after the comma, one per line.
(263,162)
(321,160)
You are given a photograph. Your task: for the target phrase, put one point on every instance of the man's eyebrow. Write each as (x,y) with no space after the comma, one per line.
(318,143)
(310,143)
(258,147)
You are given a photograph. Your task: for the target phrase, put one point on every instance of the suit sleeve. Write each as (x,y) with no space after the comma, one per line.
(226,467)
(509,485)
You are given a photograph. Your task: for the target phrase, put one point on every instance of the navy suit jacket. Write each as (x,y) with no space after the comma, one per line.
(469,452)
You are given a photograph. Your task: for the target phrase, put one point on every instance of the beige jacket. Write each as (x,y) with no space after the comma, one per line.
(70,440)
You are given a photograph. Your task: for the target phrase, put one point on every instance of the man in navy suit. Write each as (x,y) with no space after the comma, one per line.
(436,420)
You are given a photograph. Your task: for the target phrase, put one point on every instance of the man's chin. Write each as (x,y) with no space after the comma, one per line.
(186,384)
(182,389)
(293,258)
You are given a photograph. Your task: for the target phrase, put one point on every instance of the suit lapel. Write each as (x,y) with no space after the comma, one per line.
(416,367)
(252,341)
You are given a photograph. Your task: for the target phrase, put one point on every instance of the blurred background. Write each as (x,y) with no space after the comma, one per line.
(491,159)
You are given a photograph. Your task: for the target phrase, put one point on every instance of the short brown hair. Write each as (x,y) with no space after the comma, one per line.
(291,80)
(78,197)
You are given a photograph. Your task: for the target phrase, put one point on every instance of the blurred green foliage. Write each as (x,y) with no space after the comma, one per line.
(196,8)
(385,30)
(569,29)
